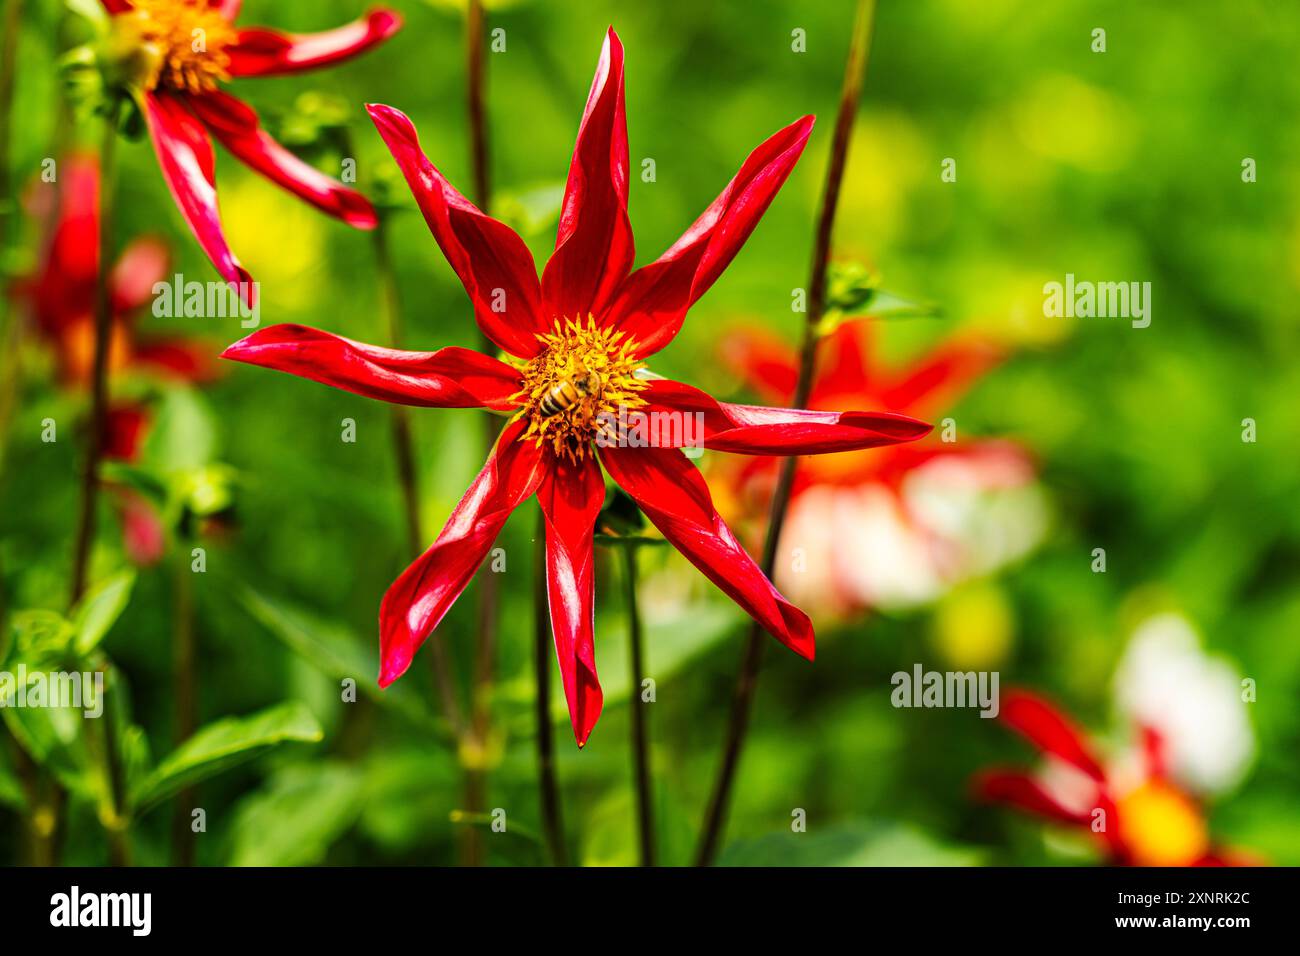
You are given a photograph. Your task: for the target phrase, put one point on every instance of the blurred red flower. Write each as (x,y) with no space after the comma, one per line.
(579,339)
(1141,815)
(889,528)
(61,299)
(192,46)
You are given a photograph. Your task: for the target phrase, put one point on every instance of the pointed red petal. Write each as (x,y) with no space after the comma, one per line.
(447,378)
(492,262)
(1045,727)
(426,590)
(688,417)
(940,379)
(237,128)
(673,495)
(763,361)
(571,496)
(262,52)
(652,303)
(1023,791)
(185,156)
(594,246)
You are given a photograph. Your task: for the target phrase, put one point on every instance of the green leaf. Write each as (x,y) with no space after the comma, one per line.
(99,610)
(301,813)
(861,843)
(226,744)
(183,435)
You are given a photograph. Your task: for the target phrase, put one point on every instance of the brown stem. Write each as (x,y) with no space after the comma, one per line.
(552,821)
(99,387)
(742,699)
(475,744)
(638,708)
(184,684)
(404,452)
(13,10)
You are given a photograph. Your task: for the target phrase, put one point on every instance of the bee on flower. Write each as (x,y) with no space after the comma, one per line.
(578,340)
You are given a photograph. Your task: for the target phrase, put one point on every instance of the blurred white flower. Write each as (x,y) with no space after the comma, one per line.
(1166,682)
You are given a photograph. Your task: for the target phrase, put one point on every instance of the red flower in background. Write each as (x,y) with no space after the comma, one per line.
(61,299)
(193,47)
(1139,813)
(885,528)
(579,339)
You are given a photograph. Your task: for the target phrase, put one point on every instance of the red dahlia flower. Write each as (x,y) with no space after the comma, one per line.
(1140,814)
(183,103)
(923,517)
(578,340)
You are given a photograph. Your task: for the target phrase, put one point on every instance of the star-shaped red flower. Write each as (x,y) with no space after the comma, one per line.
(194,46)
(592,319)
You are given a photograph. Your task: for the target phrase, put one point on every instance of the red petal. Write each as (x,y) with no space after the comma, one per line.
(237,128)
(185,156)
(419,598)
(263,52)
(447,378)
(594,246)
(763,361)
(492,262)
(651,304)
(1044,726)
(124,430)
(187,360)
(670,491)
(1023,791)
(142,265)
(117,6)
(143,535)
(571,496)
(939,379)
(757,430)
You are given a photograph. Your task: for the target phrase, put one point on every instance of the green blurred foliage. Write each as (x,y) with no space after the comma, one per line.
(1122,165)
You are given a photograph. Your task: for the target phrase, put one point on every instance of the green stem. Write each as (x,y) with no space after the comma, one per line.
(118,824)
(747,678)
(552,821)
(185,687)
(99,387)
(638,713)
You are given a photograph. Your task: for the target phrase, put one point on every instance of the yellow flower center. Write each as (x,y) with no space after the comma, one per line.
(187,40)
(575,387)
(1161,826)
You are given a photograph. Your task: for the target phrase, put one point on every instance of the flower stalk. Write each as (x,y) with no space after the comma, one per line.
(99,381)
(488,591)
(638,713)
(747,678)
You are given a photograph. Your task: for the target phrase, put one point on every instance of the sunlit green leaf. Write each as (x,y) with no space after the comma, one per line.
(225,744)
(99,610)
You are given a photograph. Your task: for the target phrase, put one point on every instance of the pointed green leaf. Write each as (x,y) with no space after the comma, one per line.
(99,610)
(225,744)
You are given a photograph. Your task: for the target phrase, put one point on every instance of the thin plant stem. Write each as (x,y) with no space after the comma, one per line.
(185,687)
(13,11)
(99,383)
(487,593)
(118,824)
(404,453)
(552,821)
(747,678)
(638,713)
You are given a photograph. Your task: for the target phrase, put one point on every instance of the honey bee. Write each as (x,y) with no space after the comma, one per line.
(566,393)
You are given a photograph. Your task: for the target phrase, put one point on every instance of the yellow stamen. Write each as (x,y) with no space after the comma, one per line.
(1161,826)
(189,40)
(589,373)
